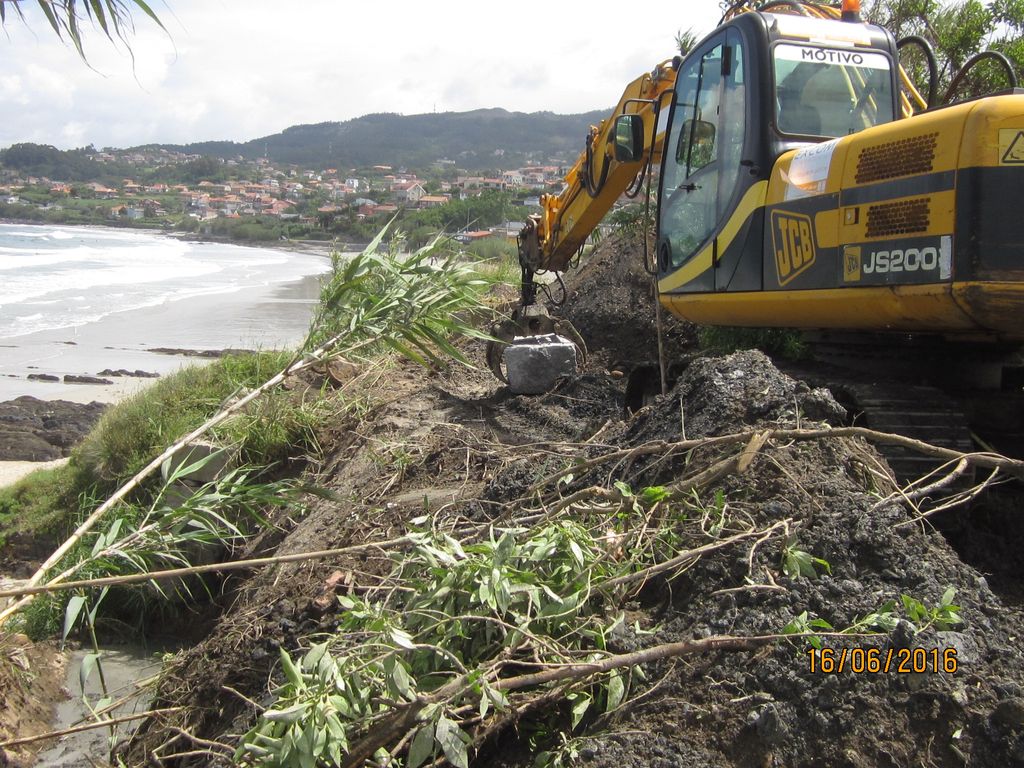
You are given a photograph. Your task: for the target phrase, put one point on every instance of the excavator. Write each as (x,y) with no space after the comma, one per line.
(804,182)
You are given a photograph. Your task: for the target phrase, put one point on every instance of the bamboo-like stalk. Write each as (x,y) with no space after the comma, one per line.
(176,573)
(89,727)
(291,369)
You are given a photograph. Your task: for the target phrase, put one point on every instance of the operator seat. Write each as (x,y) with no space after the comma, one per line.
(799,118)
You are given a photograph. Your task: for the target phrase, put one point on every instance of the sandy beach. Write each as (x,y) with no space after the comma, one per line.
(275,315)
(12,471)
(253,318)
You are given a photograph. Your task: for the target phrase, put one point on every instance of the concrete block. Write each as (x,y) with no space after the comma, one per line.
(214,461)
(533,364)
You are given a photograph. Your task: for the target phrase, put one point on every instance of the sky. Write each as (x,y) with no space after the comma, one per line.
(241,69)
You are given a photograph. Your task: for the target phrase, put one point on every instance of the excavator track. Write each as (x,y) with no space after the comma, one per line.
(962,397)
(919,412)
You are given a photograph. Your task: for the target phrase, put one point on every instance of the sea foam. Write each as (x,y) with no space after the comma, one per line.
(79,275)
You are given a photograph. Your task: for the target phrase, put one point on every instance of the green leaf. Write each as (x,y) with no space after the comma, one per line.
(449,736)
(616,691)
(577,553)
(312,658)
(915,609)
(654,493)
(75,605)
(422,747)
(402,638)
(947,597)
(89,662)
(400,680)
(579,708)
(290,715)
(290,670)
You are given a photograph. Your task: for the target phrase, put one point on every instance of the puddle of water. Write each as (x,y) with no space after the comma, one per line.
(125,668)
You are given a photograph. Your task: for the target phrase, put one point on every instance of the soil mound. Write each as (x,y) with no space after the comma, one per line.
(821,546)
(770,707)
(610,300)
(457,445)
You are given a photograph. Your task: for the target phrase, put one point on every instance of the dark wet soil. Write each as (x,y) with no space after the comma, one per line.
(456,441)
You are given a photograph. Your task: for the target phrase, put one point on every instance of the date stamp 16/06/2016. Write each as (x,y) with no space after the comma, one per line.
(873,661)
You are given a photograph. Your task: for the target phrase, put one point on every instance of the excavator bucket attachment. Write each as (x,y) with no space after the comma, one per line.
(533,350)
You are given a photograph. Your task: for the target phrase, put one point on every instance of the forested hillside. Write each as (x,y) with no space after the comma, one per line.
(483,138)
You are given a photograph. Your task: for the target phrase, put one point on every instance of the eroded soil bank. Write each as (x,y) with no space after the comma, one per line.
(457,445)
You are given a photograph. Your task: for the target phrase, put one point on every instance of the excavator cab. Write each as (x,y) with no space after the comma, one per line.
(759,86)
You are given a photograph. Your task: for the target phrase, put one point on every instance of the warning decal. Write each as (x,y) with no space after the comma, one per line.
(1011,146)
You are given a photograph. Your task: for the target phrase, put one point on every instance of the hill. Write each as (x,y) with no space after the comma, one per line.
(483,138)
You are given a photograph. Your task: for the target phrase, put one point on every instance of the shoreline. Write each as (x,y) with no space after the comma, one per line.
(269,310)
(155,339)
(314,247)
(13,471)
(274,316)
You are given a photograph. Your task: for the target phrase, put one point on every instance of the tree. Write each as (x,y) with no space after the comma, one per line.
(957,31)
(66,17)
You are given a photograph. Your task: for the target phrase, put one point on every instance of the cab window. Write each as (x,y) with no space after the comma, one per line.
(690,181)
(830,92)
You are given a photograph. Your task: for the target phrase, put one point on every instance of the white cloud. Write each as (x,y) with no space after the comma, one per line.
(234,69)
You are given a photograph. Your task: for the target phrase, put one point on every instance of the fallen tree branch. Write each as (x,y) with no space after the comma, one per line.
(174,573)
(636,658)
(399,722)
(691,554)
(89,727)
(987,460)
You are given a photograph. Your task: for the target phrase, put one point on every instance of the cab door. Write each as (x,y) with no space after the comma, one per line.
(701,169)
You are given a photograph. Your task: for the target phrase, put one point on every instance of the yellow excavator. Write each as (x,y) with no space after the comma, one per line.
(803,182)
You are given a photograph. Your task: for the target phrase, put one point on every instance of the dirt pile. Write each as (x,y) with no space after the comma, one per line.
(457,443)
(610,302)
(770,708)
(31,679)
(835,550)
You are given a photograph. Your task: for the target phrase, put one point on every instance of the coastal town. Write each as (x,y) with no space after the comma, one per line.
(262,200)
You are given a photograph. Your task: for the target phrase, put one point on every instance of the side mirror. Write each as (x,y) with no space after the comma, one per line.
(629,138)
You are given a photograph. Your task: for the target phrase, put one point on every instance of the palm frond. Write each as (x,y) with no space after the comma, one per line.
(115,18)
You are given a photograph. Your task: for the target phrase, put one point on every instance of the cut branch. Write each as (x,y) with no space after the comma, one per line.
(89,727)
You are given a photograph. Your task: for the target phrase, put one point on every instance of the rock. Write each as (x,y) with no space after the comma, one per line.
(966,646)
(42,430)
(212,460)
(125,372)
(42,377)
(73,379)
(771,726)
(213,353)
(535,363)
(26,446)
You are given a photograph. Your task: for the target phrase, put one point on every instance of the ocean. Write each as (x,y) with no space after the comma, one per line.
(77,300)
(64,277)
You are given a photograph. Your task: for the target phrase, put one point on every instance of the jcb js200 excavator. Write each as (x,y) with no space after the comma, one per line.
(804,183)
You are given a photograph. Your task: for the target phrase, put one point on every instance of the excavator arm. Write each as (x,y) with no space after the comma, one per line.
(551,239)
(554,236)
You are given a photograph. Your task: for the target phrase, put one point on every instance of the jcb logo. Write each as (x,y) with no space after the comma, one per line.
(793,239)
